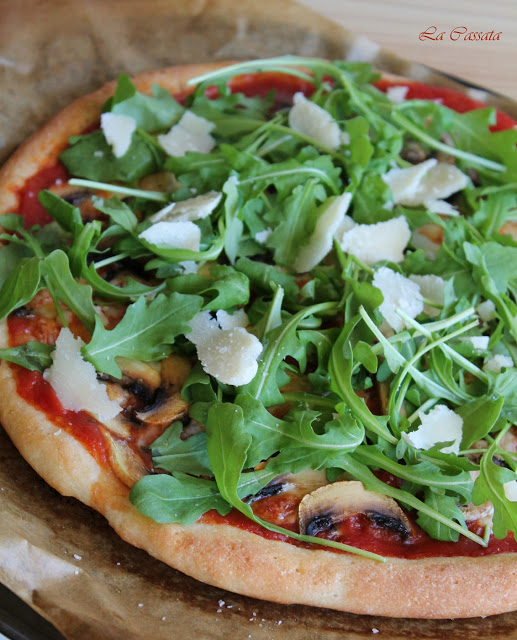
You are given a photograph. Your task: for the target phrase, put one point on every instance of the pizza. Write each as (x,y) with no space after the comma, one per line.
(262,318)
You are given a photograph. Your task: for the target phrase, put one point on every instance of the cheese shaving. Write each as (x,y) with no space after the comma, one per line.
(230,355)
(441,424)
(75,381)
(371,243)
(399,293)
(189,210)
(118,131)
(191,133)
(174,235)
(331,215)
(313,121)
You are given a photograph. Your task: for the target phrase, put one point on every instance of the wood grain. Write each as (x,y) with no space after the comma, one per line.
(397,24)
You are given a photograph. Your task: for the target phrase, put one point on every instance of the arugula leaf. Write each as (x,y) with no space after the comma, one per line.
(20,286)
(227,288)
(423,473)
(146,332)
(479,417)
(489,485)
(227,448)
(173,454)
(124,90)
(200,171)
(10,256)
(77,297)
(341,365)
(261,275)
(447,506)
(271,435)
(278,344)
(65,214)
(152,113)
(180,498)
(90,156)
(296,222)
(34,356)
(118,211)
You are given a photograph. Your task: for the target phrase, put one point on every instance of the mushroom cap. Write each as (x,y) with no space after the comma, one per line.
(335,502)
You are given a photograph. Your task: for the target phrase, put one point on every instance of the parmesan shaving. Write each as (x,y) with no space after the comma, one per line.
(426,183)
(441,424)
(228,354)
(313,121)
(331,215)
(498,362)
(174,235)
(192,209)
(191,133)
(371,243)
(75,381)
(118,131)
(431,288)
(399,293)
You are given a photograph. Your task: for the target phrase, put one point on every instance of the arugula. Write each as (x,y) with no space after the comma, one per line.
(35,356)
(20,286)
(146,332)
(225,288)
(90,156)
(490,486)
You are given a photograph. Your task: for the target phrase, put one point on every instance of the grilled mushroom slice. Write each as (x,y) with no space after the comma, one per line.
(128,466)
(136,371)
(164,411)
(334,502)
(295,483)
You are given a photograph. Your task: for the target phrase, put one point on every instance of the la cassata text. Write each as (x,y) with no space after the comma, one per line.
(459,33)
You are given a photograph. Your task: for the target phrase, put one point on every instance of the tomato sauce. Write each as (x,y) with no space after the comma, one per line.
(449,97)
(30,207)
(36,391)
(357,530)
(360,532)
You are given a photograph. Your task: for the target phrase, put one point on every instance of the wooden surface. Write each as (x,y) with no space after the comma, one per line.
(397,24)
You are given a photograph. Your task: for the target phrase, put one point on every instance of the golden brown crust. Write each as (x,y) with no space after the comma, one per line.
(223,555)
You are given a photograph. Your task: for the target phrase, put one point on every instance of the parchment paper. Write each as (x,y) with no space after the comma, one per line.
(59,556)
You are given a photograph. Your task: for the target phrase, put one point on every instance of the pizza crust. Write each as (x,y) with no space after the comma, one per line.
(223,555)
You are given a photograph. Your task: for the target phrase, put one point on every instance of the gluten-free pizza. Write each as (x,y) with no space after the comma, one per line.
(262,317)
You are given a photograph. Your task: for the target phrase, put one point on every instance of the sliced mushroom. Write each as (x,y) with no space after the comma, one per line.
(119,425)
(192,428)
(143,372)
(334,502)
(483,513)
(295,483)
(509,229)
(80,198)
(160,181)
(175,370)
(166,409)
(414,152)
(509,441)
(128,466)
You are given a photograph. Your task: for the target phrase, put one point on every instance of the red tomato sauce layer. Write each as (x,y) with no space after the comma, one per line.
(30,207)
(358,531)
(355,531)
(37,392)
